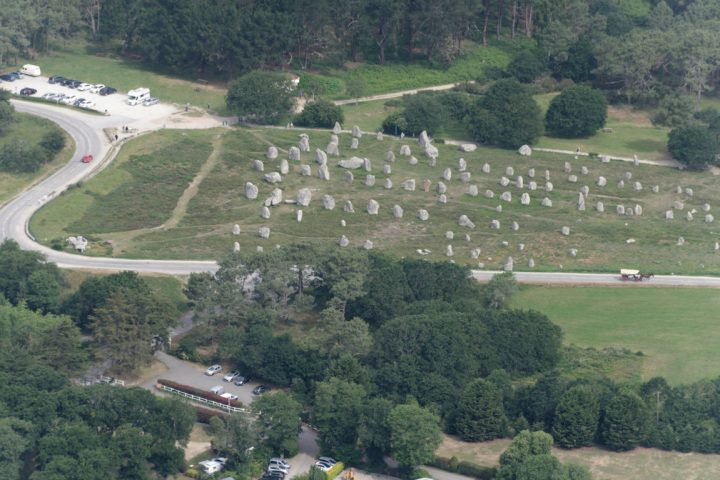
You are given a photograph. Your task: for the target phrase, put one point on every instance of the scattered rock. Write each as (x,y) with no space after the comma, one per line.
(572,178)
(369,180)
(689,192)
(549,187)
(409,185)
(546,202)
(284,167)
(486,168)
(304,143)
(585,190)
(706,207)
(531,173)
(354,143)
(581,202)
(333,149)
(495,224)
(565,231)
(373,207)
(275,198)
(236,247)
(475,253)
(272,177)
(389,156)
(519,182)
(525,151)
(680,241)
(525,199)
(600,207)
(532,185)
(508,267)
(627,176)
(236,229)
(638,209)
(298,215)
(689,216)
(547,175)
(442,199)
(498,209)
(678,190)
(620,209)
(413,161)
(449,235)
(337,128)
(258,165)
(584,170)
(423,214)
(464,221)
(441,187)
(294,153)
(323,172)
(426,185)
(449,251)
(621,184)
(328,202)
(504,181)
(468,147)
(637,186)
(506,197)
(573,252)
(678,205)
(388,184)
(264,232)
(489,194)
(405,150)
(473,190)
(604,158)
(397,211)
(447,174)
(343,242)
(567,168)
(343,223)
(356,131)
(349,177)
(601,181)
(629,211)
(379,136)
(251,191)
(387,169)
(304,196)
(655,189)
(509,171)
(368,245)
(465,177)
(531,263)
(515,226)
(348,208)
(265,212)
(669,215)
(272,153)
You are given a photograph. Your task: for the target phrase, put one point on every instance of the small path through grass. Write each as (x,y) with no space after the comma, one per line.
(192,189)
(386,96)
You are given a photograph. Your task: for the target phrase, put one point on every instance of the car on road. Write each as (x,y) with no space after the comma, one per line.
(27,91)
(107,91)
(230,376)
(241,380)
(213,369)
(18,75)
(151,101)
(260,389)
(87,158)
(56,79)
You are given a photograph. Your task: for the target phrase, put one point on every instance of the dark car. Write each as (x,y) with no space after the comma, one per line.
(107,91)
(241,380)
(8,78)
(260,389)
(74,83)
(56,79)
(28,91)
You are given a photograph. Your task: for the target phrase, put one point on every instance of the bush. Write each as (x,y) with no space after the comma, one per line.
(17,156)
(577,112)
(526,66)
(320,114)
(53,142)
(423,112)
(693,145)
(464,468)
(674,111)
(394,124)
(335,470)
(262,97)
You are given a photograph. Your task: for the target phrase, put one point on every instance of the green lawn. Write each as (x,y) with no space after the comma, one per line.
(106,210)
(675,328)
(30,129)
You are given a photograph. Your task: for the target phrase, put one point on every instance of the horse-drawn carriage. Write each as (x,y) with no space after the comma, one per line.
(634,275)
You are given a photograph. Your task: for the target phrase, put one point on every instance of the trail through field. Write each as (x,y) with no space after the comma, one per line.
(386,96)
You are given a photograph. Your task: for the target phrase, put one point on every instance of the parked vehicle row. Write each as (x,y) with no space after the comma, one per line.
(97,88)
(236,378)
(11,76)
(277,469)
(325,463)
(67,99)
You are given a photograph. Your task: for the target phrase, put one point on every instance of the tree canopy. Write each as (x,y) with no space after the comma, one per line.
(577,112)
(261,97)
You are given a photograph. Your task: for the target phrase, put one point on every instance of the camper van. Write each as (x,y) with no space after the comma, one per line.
(137,96)
(31,70)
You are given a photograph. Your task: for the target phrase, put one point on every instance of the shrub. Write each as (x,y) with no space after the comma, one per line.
(577,112)
(320,114)
(53,141)
(464,468)
(526,66)
(262,97)
(394,124)
(693,145)
(17,156)
(204,415)
(422,112)
(335,470)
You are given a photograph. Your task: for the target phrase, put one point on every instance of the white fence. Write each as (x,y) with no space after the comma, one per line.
(195,398)
(112,381)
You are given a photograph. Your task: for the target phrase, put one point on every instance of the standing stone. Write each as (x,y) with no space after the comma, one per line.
(506,197)
(473,190)
(637,186)
(475,253)
(620,209)
(272,153)
(348,208)
(298,215)
(680,242)
(509,171)
(236,229)
(464,221)
(468,147)
(638,209)
(373,207)
(320,157)
(601,181)
(409,185)
(251,191)
(379,136)
(600,207)
(504,181)
(368,245)
(423,139)
(709,218)
(621,184)
(272,177)
(525,151)
(489,194)
(426,185)
(343,223)
(678,205)
(629,211)
(397,211)
(264,232)
(447,174)
(532,185)
(627,176)
(441,187)
(388,184)
(546,202)
(519,182)
(573,252)
(236,247)
(549,187)
(604,158)
(258,165)
(369,180)
(567,168)
(495,224)
(462,165)
(572,178)
(343,242)
(389,156)
(655,188)
(431,151)
(636,161)
(294,153)
(498,209)
(486,168)
(334,139)
(354,143)
(423,214)
(585,190)
(565,231)
(413,161)
(449,235)
(689,216)
(465,177)
(304,143)
(265,212)
(508,267)
(581,202)
(547,175)
(332,149)
(405,150)
(442,199)
(368,165)
(349,177)
(356,131)
(337,128)
(387,169)
(275,198)
(584,170)
(515,226)
(284,167)
(706,207)
(304,196)
(531,263)
(328,202)
(689,192)
(531,173)
(669,214)
(449,251)
(323,172)
(525,199)
(678,190)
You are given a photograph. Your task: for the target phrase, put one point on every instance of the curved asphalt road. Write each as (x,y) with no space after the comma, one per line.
(89,137)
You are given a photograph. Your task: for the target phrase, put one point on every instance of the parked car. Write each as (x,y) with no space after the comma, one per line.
(96,88)
(84,86)
(217,389)
(328,460)
(78,101)
(49,95)
(18,75)
(229,396)
(323,466)
(87,158)
(73,83)
(230,376)
(69,99)
(278,468)
(279,461)
(212,370)
(56,79)
(8,78)
(273,476)
(260,389)
(107,91)
(87,104)
(27,91)
(241,380)
(151,101)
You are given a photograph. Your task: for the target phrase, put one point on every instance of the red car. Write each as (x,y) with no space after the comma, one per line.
(87,158)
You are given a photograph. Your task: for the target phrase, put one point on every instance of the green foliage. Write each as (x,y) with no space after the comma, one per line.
(334,470)
(580,61)
(334,336)
(7,111)
(355,86)
(414,434)
(320,114)
(395,123)
(526,66)
(261,97)
(337,409)
(499,290)
(507,116)
(233,435)
(278,422)
(694,146)
(18,156)
(576,417)
(53,141)
(480,415)
(422,112)
(374,431)
(577,112)
(674,111)
(27,277)
(624,421)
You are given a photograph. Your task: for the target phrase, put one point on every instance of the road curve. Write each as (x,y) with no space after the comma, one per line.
(88,135)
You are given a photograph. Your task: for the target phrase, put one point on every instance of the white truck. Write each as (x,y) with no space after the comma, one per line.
(138,96)
(31,70)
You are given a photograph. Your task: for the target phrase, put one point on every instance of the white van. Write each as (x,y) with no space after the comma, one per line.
(217,389)
(31,70)
(138,96)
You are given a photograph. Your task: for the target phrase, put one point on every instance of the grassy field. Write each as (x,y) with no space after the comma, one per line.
(638,464)
(203,228)
(30,129)
(675,328)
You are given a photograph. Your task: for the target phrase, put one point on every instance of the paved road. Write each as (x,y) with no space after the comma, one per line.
(600,279)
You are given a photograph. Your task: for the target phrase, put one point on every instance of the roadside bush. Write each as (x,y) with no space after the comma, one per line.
(53,142)
(17,156)
(320,114)
(464,468)
(577,112)
(334,470)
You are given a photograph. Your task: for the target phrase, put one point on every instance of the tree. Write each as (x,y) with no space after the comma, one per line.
(334,336)
(414,434)
(28,277)
(524,446)
(261,97)
(576,417)
(674,111)
(320,114)
(337,409)
(624,421)
(233,435)
(480,415)
(374,431)
(694,146)
(507,116)
(578,111)
(7,111)
(12,447)
(343,273)
(499,290)
(423,112)
(279,422)
(526,66)
(18,156)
